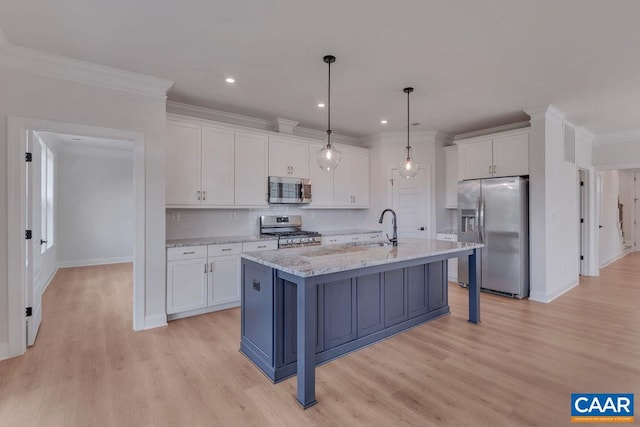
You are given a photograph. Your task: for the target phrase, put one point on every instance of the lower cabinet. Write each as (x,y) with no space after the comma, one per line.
(186,285)
(224,279)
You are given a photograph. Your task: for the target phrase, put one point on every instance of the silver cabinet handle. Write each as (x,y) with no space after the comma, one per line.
(494,168)
(188,253)
(489,168)
(199,195)
(205,268)
(211,267)
(226,249)
(204,195)
(262,246)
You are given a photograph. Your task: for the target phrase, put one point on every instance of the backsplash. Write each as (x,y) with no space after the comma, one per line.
(196,223)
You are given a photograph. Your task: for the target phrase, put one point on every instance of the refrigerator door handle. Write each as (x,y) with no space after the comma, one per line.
(481,220)
(477,218)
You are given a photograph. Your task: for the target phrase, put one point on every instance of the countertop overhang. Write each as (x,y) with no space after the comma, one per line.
(319,260)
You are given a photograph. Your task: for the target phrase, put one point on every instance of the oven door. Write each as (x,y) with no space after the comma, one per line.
(289,190)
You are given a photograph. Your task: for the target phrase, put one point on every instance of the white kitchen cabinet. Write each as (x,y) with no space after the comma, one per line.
(251,165)
(332,240)
(217,183)
(351,179)
(262,245)
(497,155)
(453,262)
(451,177)
(186,279)
(224,280)
(183,163)
(288,157)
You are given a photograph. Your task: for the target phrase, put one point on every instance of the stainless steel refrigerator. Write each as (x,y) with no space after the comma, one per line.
(495,212)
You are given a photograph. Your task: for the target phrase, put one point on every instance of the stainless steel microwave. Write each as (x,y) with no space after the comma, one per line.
(289,190)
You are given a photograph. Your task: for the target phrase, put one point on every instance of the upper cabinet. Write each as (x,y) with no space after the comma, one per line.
(451,177)
(288,157)
(345,187)
(213,167)
(497,155)
(216,165)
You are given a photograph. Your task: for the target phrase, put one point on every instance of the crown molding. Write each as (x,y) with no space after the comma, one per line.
(617,137)
(537,113)
(495,129)
(252,122)
(31,61)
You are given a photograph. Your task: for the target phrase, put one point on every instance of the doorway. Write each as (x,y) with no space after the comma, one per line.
(23,288)
(409,199)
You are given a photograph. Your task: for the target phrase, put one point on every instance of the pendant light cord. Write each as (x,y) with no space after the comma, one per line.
(329,108)
(408,126)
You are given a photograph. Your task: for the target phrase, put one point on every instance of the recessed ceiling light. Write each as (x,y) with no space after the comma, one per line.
(321,105)
(230,80)
(383,122)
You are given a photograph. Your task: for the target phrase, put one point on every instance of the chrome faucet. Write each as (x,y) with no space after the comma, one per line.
(394,222)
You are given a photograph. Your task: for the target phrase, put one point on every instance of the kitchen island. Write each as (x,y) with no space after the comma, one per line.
(306,306)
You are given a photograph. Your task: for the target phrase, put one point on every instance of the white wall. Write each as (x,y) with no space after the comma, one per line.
(95,209)
(616,155)
(553,207)
(35,96)
(610,242)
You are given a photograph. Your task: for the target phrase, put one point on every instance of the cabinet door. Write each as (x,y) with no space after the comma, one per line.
(257,309)
(342,186)
(224,280)
(321,180)
(511,155)
(451,177)
(370,304)
(437,285)
(183,163)
(186,285)
(476,159)
(360,179)
(339,313)
(217,166)
(278,157)
(251,169)
(395,298)
(299,159)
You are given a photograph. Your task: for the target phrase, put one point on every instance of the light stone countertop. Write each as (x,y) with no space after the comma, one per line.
(318,260)
(345,232)
(217,240)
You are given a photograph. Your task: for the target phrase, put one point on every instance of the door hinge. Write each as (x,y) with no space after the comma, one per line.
(391,181)
(28,157)
(28,311)
(581,220)
(581,183)
(581,257)
(27,234)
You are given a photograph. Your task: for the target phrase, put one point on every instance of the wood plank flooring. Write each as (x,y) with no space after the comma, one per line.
(517,368)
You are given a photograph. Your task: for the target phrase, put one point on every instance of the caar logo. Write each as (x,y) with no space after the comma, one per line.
(602,408)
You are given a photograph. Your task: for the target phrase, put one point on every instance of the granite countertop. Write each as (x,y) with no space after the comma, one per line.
(318,260)
(219,240)
(345,232)
(448,231)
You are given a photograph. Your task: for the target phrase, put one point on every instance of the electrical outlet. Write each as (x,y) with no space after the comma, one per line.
(175,216)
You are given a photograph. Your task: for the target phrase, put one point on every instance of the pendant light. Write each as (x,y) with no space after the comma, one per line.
(329,158)
(408,168)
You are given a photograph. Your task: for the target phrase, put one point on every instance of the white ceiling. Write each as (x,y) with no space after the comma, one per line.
(474,64)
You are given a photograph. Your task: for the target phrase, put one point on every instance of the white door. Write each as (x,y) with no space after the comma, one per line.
(251,168)
(511,155)
(183,163)
(476,159)
(410,202)
(34,260)
(217,161)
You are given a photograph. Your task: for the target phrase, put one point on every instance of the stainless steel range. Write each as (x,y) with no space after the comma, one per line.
(289,230)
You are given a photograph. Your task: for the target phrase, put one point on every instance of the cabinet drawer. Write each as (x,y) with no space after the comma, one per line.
(372,237)
(186,252)
(265,245)
(332,240)
(228,249)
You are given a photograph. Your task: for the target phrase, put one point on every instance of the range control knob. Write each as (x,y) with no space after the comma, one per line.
(290,241)
(313,239)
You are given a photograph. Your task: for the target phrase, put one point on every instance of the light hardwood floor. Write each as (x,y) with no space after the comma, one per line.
(519,367)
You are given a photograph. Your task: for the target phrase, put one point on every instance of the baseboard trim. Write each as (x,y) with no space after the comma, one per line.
(205,310)
(615,258)
(155,321)
(4,351)
(544,298)
(95,261)
(49,280)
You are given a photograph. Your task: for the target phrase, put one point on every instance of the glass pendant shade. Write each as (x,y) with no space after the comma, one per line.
(328,158)
(408,168)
